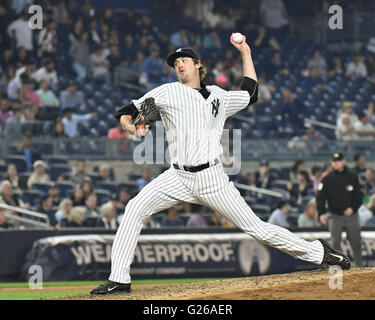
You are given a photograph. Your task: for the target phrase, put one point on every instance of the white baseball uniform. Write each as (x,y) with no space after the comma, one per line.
(194,127)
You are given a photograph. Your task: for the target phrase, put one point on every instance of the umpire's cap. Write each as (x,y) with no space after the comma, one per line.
(182,52)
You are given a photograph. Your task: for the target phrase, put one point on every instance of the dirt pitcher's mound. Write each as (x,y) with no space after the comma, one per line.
(356,283)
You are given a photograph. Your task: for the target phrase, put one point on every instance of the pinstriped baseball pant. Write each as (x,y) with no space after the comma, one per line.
(210,187)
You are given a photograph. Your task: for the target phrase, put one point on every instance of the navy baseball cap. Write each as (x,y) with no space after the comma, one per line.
(182,52)
(337,156)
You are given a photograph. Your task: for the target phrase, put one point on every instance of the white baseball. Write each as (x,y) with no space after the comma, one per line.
(237,37)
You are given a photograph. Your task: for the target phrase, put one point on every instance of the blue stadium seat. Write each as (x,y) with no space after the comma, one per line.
(18,160)
(57,159)
(65,187)
(57,170)
(31,196)
(42,186)
(103,195)
(112,187)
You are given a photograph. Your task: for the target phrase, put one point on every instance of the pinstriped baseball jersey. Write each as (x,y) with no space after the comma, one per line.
(194,125)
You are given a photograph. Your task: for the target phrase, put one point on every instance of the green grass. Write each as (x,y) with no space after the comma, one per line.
(37,294)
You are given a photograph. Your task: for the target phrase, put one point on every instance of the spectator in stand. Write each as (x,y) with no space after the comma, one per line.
(370,181)
(15,85)
(212,19)
(274,16)
(149,223)
(27,93)
(123,198)
(212,41)
(145,177)
(309,218)
(153,68)
(318,62)
(13,125)
(72,98)
(171,219)
(196,219)
(20,32)
(124,74)
(55,194)
(263,177)
(345,129)
(279,215)
(59,130)
(47,72)
(137,65)
(100,65)
(3,221)
(127,48)
(39,175)
(347,109)
(313,137)
(8,196)
(262,40)
(366,211)
(370,64)
(108,216)
(300,189)
(264,90)
(336,68)
(360,163)
(168,74)
(315,177)
(363,129)
(114,58)
(28,151)
(21,59)
(71,121)
(12,176)
(313,80)
(46,207)
(104,173)
(79,51)
(292,111)
(46,96)
(356,68)
(76,217)
(371,109)
(119,138)
(298,166)
(47,39)
(179,39)
(78,198)
(5,113)
(91,204)
(87,187)
(65,207)
(371,45)
(79,173)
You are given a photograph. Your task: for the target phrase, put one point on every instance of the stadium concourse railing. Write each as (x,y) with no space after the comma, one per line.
(24,218)
(101,148)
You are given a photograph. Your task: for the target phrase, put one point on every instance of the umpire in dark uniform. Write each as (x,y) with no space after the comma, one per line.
(341,189)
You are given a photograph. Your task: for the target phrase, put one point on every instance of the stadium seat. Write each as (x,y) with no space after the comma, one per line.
(18,160)
(57,170)
(42,186)
(31,196)
(65,187)
(103,195)
(112,187)
(57,159)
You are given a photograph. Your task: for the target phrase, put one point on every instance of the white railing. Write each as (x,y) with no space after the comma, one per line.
(28,217)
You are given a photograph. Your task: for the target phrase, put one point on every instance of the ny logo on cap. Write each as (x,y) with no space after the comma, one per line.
(178,50)
(336,155)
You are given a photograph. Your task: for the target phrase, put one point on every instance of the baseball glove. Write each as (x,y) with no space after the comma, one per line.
(147,116)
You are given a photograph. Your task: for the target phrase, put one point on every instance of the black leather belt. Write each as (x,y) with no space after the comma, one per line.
(196,168)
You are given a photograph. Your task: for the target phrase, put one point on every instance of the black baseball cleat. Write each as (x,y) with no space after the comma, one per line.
(111,287)
(333,257)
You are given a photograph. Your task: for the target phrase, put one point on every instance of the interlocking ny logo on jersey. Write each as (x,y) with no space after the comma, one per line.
(215,107)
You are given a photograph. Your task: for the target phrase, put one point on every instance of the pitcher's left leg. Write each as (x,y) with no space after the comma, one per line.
(227,201)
